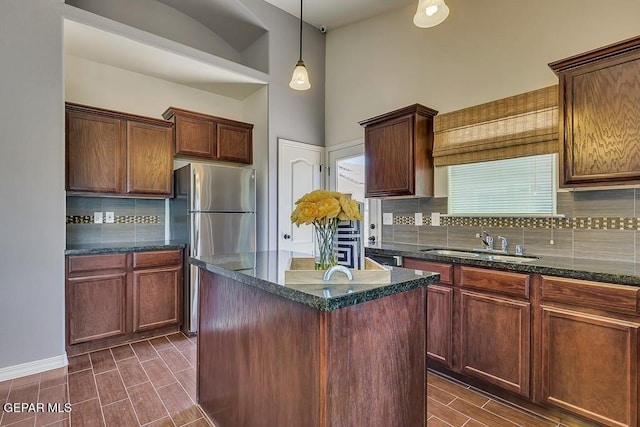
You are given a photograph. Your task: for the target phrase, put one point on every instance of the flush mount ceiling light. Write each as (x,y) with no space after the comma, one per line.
(430,13)
(300,78)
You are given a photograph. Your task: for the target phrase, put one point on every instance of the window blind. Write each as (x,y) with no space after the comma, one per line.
(518,186)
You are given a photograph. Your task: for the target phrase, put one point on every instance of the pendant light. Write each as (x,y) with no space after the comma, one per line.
(430,13)
(300,78)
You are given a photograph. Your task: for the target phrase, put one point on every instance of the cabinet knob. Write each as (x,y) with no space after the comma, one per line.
(287,236)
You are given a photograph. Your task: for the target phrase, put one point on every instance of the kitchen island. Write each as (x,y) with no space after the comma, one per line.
(274,354)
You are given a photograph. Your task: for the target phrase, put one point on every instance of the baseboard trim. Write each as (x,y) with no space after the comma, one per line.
(35,367)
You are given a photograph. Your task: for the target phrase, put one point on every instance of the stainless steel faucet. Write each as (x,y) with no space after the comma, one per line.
(487,240)
(503,244)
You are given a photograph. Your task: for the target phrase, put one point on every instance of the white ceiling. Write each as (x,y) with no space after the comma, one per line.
(336,13)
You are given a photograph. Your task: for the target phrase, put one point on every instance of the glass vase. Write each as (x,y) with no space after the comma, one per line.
(325,256)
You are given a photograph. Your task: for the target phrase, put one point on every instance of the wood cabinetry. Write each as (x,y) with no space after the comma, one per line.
(589,358)
(108,152)
(439,310)
(210,137)
(494,327)
(398,148)
(112,298)
(599,105)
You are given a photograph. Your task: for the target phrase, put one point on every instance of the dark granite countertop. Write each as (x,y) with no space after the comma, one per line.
(265,270)
(623,273)
(120,247)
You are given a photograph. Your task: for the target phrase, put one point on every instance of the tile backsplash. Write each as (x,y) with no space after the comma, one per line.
(135,220)
(598,224)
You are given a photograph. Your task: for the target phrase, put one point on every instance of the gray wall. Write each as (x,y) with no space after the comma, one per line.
(294,115)
(32,189)
(32,217)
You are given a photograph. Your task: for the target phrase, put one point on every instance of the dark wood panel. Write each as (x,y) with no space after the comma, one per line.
(96,307)
(156,258)
(86,263)
(583,293)
(440,321)
(504,282)
(495,340)
(234,143)
(95,153)
(389,151)
(590,366)
(258,356)
(599,105)
(445,270)
(157,298)
(194,137)
(149,159)
(372,347)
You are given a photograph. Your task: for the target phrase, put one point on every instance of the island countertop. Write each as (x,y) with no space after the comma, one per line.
(265,270)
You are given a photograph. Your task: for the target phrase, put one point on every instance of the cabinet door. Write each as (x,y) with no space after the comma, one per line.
(195,137)
(495,340)
(388,150)
(590,366)
(234,143)
(156,298)
(95,153)
(602,131)
(96,307)
(439,321)
(149,160)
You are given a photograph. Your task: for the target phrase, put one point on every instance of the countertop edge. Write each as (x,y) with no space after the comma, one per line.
(539,268)
(115,249)
(315,302)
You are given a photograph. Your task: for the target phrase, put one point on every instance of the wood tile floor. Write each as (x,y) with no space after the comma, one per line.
(152,383)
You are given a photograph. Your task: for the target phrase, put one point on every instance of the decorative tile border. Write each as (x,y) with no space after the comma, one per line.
(123,219)
(577,223)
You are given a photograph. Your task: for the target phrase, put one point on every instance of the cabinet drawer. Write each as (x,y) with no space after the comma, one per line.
(80,263)
(606,296)
(445,270)
(156,259)
(503,282)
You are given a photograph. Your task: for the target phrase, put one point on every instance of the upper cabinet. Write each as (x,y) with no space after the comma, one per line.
(211,138)
(398,153)
(109,152)
(599,107)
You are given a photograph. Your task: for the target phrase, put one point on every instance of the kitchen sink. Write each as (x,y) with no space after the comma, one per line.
(481,255)
(451,252)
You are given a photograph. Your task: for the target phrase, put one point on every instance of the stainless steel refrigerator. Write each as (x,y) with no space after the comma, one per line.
(213,212)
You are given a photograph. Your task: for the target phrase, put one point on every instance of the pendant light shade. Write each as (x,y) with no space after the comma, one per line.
(300,78)
(430,13)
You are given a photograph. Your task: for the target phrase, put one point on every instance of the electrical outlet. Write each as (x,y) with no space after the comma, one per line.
(97,217)
(387,218)
(435,219)
(418,219)
(109,218)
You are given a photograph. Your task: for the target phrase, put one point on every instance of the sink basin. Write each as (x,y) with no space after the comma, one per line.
(452,252)
(508,258)
(482,254)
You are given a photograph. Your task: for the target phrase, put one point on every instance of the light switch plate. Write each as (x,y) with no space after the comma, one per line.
(109,218)
(97,217)
(387,218)
(418,218)
(435,219)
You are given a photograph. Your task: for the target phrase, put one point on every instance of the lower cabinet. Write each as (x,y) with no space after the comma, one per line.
(111,298)
(495,340)
(589,349)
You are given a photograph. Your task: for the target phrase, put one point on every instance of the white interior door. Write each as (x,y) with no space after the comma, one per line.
(299,172)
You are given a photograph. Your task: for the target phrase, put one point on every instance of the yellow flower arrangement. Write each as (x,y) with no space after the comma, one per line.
(324,209)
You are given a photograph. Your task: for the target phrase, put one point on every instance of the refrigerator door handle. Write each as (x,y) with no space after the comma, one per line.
(195,239)
(196,191)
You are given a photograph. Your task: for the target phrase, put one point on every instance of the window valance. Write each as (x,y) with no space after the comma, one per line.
(517,126)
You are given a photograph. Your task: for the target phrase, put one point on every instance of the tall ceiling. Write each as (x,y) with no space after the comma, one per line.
(336,13)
